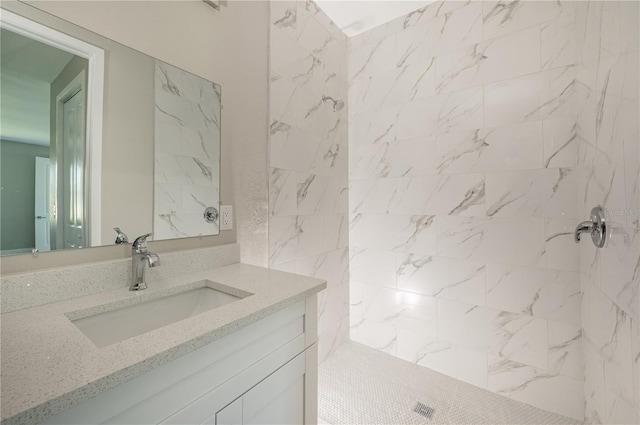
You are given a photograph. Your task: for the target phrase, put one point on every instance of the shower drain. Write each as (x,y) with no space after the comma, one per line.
(424,410)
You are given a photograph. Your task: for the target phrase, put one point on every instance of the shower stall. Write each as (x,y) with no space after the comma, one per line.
(440,199)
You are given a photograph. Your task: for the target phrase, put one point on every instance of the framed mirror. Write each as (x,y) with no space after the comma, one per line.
(106,137)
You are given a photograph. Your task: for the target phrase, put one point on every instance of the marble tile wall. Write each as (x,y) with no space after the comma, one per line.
(463,196)
(187,153)
(308,167)
(607,86)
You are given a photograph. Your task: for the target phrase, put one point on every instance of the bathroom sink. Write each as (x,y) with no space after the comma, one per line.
(126,322)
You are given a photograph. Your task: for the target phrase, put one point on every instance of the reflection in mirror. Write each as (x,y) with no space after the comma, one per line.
(25,143)
(45,202)
(125,182)
(187,149)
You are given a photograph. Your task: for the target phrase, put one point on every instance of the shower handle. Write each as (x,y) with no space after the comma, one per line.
(597,227)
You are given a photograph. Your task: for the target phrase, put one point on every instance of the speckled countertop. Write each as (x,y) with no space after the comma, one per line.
(49,365)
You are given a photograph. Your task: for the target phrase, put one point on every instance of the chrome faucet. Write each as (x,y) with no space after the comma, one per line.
(596,227)
(139,255)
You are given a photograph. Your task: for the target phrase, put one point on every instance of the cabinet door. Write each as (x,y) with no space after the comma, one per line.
(278,399)
(230,415)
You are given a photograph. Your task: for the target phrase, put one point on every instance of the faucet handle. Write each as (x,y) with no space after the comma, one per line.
(141,242)
(121,237)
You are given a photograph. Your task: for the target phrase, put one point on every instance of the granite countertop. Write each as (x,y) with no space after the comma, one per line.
(49,365)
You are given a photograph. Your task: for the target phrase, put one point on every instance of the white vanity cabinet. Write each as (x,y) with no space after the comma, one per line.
(279,399)
(264,373)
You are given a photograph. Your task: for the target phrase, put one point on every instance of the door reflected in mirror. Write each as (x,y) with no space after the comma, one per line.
(46,201)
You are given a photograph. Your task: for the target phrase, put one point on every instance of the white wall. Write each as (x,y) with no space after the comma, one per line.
(608,88)
(228,47)
(308,231)
(462,196)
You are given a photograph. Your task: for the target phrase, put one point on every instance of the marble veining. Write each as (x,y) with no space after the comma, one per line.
(308,161)
(473,130)
(608,99)
(187,123)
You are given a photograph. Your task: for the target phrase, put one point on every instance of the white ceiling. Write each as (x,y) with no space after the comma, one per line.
(357,16)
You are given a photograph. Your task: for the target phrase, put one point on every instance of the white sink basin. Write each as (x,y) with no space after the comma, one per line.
(123,323)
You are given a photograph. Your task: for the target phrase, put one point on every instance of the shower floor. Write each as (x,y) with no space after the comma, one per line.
(360,385)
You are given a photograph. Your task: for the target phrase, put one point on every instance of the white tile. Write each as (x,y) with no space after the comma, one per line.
(618,361)
(197,171)
(167,198)
(620,410)
(197,198)
(336,236)
(452,360)
(295,237)
(593,384)
(373,267)
(632,179)
(565,350)
(513,240)
(401,85)
(328,24)
(466,325)
(407,158)
(436,115)
(635,344)
(180,225)
(372,58)
(282,192)
(537,387)
(606,185)
(283,16)
(370,128)
(399,233)
(404,310)
(335,309)
(331,157)
(373,196)
(629,26)
(514,147)
(543,293)
(617,86)
(330,340)
(545,193)
(307,73)
(560,144)
(558,43)
(460,194)
(455,28)
(515,336)
(504,57)
(608,329)
(317,194)
(422,274)
(466,282)
(168,170)
(602,37)
(333,266)
(461,237)
(314,38)
(361,295)
(372,334)
(560,252)
(521,338)
(500,17)
(542,95)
